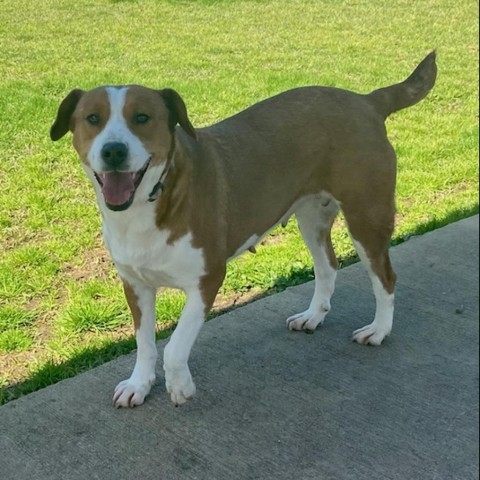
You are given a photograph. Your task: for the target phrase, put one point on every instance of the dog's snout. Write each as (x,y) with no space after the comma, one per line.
(114,153)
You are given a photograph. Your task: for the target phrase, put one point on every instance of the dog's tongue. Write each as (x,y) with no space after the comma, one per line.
(117,187)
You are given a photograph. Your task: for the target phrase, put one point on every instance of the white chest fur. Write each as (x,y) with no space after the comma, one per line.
(141,252)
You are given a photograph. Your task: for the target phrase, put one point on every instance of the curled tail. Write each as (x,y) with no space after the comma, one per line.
(416,87)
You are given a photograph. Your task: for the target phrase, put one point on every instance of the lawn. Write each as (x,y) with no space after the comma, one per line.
(61,305)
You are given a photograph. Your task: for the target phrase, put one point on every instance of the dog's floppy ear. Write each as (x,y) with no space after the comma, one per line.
(62,123)
(178,111)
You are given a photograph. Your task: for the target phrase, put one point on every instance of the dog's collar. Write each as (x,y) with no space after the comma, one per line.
(160,185)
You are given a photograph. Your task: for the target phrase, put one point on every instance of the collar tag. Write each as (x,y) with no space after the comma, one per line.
(156,188)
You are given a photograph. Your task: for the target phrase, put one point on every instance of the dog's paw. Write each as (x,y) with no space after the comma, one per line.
(308,320)
(180,386)
(131,393)
(372,334)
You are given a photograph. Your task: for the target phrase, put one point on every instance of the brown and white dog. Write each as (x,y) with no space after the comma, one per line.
(178,203)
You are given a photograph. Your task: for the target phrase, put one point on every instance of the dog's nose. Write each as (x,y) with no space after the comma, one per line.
(114,153)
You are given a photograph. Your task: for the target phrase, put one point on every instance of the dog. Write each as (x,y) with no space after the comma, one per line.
(178,203)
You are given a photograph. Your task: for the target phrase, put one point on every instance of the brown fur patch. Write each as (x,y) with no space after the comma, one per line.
(174,205)
(132,301)
(155,134)
(93,102)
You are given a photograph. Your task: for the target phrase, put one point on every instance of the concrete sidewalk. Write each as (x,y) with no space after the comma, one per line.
(274,404)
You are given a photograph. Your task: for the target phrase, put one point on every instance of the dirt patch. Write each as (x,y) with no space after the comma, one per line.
(96,264)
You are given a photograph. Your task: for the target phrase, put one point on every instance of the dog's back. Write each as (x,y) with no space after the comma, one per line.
(320,138)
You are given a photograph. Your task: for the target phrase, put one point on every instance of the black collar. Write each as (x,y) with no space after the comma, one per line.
(160,185)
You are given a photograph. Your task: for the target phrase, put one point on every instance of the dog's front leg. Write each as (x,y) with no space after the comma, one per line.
(178,379)
(141,300)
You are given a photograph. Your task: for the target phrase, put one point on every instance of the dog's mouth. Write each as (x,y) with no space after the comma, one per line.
(119,188)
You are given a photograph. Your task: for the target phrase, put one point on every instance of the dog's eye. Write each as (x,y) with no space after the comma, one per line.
(141,118)
(93,119)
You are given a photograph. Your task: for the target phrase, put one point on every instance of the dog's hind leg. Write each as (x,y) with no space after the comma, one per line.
(315,218)
(371,230)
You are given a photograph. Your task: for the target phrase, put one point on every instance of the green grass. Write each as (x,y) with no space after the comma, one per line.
(61,307)
(15,327)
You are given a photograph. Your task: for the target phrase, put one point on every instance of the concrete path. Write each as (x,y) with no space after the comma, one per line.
(272,404)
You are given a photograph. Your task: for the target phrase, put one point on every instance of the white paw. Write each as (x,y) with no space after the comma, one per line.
(131,393)
(307,320)
(179,385)
(372,334)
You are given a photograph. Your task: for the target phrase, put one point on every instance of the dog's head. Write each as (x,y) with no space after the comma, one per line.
(120,134)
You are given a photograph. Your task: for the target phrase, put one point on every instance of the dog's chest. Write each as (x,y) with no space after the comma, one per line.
(142,253)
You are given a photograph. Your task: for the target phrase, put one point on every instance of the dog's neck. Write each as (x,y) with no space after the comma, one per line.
(173,202)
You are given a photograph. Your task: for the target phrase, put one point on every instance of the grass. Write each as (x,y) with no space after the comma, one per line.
(61,306)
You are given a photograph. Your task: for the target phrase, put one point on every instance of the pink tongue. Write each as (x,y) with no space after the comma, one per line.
(117,187)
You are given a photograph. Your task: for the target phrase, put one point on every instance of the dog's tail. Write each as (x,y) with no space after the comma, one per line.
(416,87)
